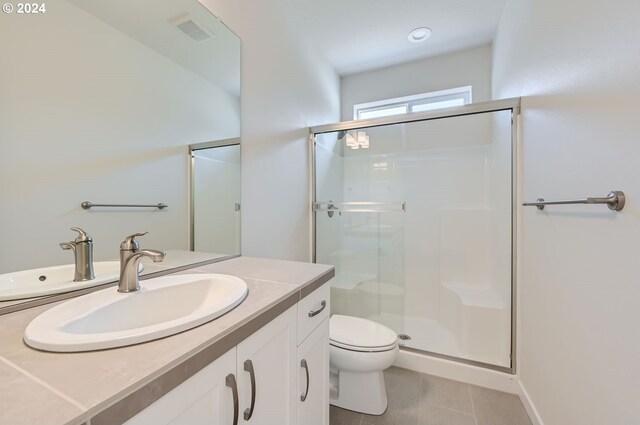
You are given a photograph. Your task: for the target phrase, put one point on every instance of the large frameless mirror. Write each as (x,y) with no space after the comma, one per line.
(99,102)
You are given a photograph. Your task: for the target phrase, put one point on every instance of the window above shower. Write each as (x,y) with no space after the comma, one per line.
(416,103)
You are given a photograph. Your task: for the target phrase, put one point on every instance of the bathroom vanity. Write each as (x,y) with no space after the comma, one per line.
(264,362)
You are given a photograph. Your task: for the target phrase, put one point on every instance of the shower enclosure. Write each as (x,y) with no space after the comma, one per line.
(416,212)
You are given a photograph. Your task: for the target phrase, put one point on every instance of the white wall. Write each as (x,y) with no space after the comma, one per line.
(86,113)
(462,68)
(286,87)
(577,67)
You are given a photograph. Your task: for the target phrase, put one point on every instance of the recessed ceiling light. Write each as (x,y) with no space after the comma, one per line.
(419,34)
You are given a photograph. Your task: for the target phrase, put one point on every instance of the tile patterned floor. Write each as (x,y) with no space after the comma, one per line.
(419,399)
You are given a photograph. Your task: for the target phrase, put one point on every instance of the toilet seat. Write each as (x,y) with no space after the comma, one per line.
(357,334)
(362,349)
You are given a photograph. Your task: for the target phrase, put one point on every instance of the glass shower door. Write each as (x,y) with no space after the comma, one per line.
(417,218)
(359,230)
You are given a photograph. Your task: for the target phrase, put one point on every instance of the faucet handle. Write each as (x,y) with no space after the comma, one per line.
(130,243)
(82,235)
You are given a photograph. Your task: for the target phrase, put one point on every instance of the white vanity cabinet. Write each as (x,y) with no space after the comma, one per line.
(313,378)
(267,372)
(203,399)
(313,358)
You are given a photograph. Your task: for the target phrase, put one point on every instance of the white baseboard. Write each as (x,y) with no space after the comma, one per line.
(528,405)
(475,375)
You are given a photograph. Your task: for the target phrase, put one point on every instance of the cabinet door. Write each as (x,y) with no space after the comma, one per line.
(313,377)
(267,373)
(203,399)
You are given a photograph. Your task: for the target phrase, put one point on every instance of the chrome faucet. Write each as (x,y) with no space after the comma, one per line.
(130,256)
(83,251)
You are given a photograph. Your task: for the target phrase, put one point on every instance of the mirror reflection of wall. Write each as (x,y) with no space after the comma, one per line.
(215,191)
(99,100)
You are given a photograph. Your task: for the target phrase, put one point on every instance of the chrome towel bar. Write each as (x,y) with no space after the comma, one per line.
(614,200)
(86,205)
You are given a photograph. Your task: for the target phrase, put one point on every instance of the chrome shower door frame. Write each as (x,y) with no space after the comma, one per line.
(513,105)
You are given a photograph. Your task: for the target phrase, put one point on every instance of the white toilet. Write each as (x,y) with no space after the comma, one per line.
(359,351)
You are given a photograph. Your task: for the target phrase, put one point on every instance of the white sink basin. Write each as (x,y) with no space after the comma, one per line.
(163,306)
(54,280)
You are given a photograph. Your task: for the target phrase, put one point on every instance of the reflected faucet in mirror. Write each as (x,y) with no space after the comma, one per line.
(82,248)
(130,257)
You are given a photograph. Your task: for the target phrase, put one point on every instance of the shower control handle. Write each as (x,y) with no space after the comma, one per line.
(331,207)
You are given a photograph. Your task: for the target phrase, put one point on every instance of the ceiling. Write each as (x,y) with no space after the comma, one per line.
(360,35)
(150,23)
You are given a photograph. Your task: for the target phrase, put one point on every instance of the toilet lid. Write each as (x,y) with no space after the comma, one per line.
(360,334)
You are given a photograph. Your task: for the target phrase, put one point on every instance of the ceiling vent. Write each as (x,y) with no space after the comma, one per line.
(192,29)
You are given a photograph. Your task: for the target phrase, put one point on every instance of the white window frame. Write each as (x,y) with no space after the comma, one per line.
(409,102)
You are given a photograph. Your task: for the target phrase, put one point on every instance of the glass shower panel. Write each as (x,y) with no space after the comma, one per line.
(359,230)
(458,240)
(420,230)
